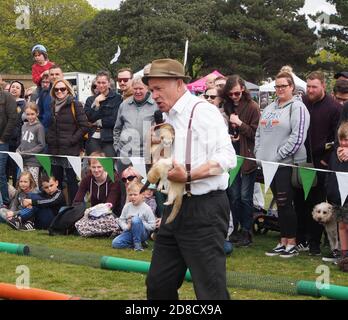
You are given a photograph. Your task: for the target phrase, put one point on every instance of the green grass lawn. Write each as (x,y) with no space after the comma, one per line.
(95,283)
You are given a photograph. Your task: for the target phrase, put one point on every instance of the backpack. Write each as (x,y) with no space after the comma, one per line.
(64,222)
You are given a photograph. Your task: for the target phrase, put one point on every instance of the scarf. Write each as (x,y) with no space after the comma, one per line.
(59,103)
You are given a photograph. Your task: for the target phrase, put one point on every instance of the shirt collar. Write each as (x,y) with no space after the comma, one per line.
(149,100)
(181,103)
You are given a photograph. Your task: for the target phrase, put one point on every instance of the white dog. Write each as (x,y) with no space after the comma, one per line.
(324,214)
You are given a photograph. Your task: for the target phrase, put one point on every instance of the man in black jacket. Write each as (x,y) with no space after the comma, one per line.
(8,121)
(325,114)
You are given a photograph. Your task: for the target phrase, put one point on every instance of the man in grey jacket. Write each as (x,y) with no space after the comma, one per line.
(134,120)
(8,120)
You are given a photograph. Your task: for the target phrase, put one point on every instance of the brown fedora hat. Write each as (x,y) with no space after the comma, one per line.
(166,68)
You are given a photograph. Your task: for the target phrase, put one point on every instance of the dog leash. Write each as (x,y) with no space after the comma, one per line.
(188,152)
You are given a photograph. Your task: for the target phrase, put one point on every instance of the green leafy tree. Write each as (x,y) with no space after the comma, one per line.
(51,23)
(333,53)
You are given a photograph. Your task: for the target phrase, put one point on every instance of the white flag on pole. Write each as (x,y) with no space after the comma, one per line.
(186,51)
(117,55)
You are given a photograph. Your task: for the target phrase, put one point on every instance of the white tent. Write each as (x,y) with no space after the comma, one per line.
(269,87)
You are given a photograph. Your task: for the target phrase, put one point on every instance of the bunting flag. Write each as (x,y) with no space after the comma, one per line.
(17,158)
(342,179)
(45,161)
(108,165)
(307,177)
(269,169)
(234,171)
(139,165)
(76,165)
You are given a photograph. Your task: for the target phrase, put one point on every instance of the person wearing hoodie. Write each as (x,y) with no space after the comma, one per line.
(280,137)
(32,140)
(101,111)
(65,133)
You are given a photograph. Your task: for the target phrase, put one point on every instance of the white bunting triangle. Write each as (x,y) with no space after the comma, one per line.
(139,165)
(76,165)
(269,169)
(342,179)
(17,158)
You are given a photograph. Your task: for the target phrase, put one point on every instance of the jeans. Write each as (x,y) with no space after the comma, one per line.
(283,192)
(93,145)
(128,238)
(240,195)
(42,216)
(3,178)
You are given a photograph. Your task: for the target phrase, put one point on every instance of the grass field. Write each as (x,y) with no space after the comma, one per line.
(94,283)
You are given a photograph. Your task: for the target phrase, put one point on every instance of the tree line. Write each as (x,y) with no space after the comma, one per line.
(253,38)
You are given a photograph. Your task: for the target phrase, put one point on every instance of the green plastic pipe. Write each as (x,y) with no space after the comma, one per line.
(20,249)
(330,291)
(121,264)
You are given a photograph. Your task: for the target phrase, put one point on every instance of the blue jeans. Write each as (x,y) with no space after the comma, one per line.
(136,234)
(3,178)
(43,216)
(240,195)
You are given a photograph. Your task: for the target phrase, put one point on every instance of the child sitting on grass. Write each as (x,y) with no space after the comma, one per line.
(137,220)
(25,185)
(45,206)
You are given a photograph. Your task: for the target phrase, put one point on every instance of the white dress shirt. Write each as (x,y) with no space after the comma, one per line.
(210,140)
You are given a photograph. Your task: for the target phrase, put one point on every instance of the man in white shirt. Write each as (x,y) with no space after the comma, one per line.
(195,239)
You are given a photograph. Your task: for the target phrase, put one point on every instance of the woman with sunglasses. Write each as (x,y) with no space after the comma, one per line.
(65,133)
(243,114)
(280,138)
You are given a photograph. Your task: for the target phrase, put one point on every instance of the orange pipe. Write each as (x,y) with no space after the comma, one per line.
(11,292)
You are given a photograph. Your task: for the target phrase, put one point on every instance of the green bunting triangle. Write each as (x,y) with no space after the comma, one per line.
(45,161)
(234,171)
(108,165)
(307,178)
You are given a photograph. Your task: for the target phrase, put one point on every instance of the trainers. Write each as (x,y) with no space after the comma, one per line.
(276,251)
(244,240)
(235,236)
(27,226)
(303,246)
(138,247)
(314,251)
(290,251)
(145,244)
(14,223)
(333,256)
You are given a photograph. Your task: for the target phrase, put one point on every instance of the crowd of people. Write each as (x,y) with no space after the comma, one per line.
(226,121)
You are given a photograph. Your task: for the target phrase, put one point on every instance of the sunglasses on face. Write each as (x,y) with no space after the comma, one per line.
(207,96)
(125,80)
(235,94)
(129,178)
(59,89)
